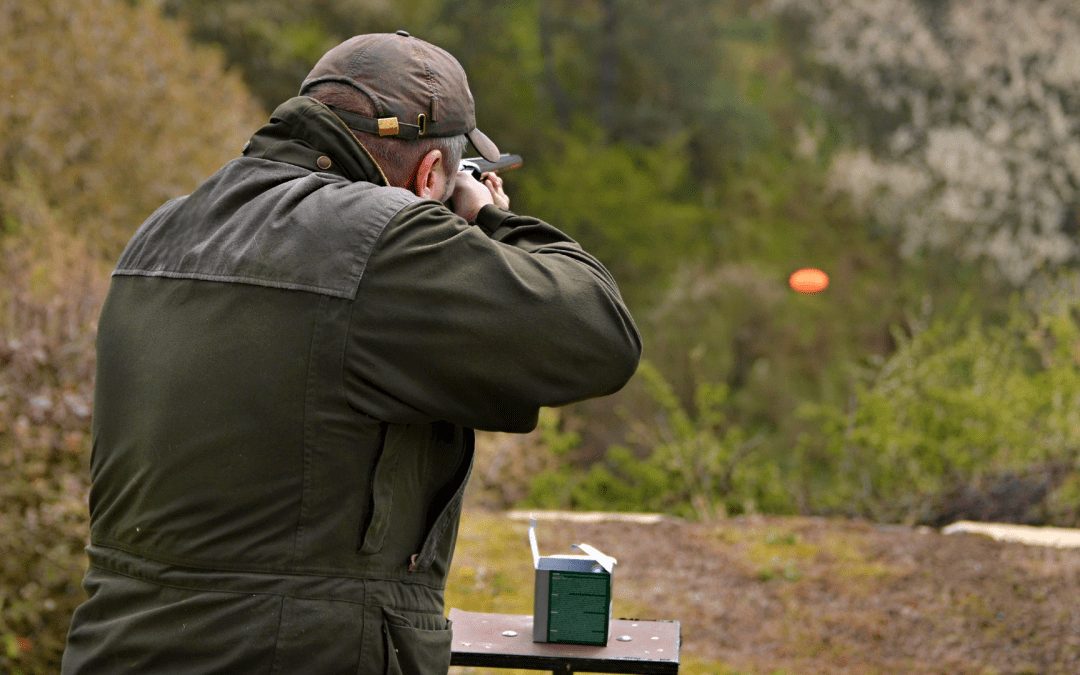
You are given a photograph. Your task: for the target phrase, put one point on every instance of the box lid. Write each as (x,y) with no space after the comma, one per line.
(591,553)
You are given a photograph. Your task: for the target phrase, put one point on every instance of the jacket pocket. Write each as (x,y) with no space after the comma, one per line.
(382,494)
(418,644)
(440,537)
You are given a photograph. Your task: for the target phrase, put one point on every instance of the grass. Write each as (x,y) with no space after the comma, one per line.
(492,569)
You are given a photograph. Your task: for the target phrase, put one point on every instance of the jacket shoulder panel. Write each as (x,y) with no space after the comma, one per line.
(267,223)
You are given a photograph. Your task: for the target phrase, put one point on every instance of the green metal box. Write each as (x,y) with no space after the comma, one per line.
(572,600)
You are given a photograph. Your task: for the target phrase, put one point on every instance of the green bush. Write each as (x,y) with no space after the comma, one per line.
(959,403)
(965,405)
(688,461)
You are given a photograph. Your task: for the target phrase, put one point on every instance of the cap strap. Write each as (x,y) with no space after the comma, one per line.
(380,126)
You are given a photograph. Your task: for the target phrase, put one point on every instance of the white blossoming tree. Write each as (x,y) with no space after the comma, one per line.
(971,112)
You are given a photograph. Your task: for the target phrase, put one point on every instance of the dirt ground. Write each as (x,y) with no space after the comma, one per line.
(808,595)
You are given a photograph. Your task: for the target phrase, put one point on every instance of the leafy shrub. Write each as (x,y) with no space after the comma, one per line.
(105,115)
(959,403)
(696,463)
(108,112)
(968,418)
(46,389)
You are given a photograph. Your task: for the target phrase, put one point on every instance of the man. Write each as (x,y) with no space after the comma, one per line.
(291,363)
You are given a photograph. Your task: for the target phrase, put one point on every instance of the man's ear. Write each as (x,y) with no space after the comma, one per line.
(430,177)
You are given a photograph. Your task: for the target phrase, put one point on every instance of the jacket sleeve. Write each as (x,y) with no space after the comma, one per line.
(482,325)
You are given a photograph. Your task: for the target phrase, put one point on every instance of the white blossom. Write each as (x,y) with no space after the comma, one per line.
(982,103)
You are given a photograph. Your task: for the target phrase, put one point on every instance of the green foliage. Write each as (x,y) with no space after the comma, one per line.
(274,44)
(558,441)
(696,463)
(958,401)
(734,320)
(642,229)
(959,404)
(551,486)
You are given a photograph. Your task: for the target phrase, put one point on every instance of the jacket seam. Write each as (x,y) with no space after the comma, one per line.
(208,589)
(298,540)
(233,279)
(218,567)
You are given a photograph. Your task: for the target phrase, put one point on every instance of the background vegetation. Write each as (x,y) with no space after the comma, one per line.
(923,153)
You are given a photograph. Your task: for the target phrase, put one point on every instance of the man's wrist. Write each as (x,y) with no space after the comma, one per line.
(490,217)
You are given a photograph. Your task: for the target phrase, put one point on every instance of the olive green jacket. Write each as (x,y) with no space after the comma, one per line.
(291,361)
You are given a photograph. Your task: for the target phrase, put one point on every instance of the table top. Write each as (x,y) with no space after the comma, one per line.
(505,641)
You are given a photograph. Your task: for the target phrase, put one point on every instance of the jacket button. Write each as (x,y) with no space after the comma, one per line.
(323,162)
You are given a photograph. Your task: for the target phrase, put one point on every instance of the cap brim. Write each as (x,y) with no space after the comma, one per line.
(484,145)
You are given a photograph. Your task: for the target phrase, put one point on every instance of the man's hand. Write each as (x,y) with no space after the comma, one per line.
(471,195)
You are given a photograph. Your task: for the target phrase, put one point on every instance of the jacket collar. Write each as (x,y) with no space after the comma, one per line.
(305,133)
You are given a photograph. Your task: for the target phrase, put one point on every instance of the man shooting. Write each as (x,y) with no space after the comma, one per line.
(291,363)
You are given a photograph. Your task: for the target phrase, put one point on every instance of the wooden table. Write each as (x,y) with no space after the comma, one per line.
(505,641)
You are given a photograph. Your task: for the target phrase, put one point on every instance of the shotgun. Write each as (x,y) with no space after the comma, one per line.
(477,166)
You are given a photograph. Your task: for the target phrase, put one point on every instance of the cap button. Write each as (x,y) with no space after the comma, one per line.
(402,33)
(323,162)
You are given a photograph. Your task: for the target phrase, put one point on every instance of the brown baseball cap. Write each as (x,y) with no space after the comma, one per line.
(418,90)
